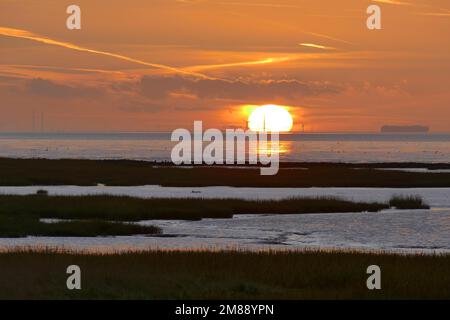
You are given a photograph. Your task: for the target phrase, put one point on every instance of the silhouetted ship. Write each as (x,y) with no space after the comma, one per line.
(405,129)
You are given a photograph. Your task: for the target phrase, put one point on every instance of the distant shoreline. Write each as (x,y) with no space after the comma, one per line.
(405,129)
(283,136)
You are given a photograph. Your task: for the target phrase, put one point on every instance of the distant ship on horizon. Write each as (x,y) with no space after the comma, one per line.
(405,129)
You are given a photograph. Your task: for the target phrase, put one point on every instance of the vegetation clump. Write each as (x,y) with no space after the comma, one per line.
(408,202)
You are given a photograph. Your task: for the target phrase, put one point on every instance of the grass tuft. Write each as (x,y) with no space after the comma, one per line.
(42,192)
(408,202)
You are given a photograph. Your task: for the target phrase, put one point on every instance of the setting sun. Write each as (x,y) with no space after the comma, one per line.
(270,118)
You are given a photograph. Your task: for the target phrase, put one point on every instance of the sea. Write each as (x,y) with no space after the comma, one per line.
(299,147)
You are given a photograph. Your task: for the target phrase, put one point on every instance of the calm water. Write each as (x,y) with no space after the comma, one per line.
(406,231)
(296,147)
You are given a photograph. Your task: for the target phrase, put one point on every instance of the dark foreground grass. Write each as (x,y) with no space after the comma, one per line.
(116,208)
(26,172)
(223,275)
(408,202)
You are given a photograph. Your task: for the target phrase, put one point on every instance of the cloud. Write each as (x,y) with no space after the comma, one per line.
(46,88)
(247,92)
(135,106)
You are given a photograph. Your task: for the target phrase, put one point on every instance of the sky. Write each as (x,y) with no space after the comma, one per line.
(158,65)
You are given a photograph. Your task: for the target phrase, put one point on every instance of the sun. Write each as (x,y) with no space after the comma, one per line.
(270,118)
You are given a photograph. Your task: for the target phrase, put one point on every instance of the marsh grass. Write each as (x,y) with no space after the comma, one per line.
(231,274)
(408,202)
(22,226)
(28,172)
(95,215)
(121,208)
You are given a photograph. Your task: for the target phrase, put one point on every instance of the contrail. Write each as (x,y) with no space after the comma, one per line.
(316,46)
(239,64)
(444,12)
(23,34)
(268,5)
(436,14)
(395,2)
(273,5)
(192,71)
(416,5)
(293,28)
(89,70)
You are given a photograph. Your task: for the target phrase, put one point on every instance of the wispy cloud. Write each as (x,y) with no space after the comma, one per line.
(47,88)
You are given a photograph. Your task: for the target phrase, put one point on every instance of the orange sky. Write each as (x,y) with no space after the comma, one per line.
(156,65)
